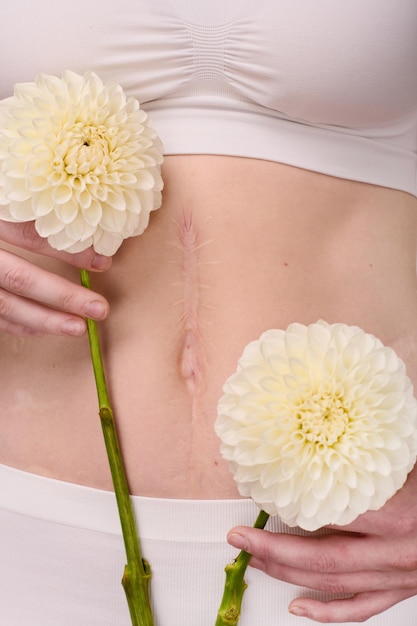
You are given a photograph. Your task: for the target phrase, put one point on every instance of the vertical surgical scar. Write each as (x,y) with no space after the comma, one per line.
(191,360)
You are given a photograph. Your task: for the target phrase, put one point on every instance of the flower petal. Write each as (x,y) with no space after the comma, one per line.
(319,423)
(81,148)
(47,225)
(67,212)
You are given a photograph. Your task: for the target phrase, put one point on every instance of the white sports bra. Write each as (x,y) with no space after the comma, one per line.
(329,85)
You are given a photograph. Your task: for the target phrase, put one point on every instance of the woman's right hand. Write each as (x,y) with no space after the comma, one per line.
(34,301)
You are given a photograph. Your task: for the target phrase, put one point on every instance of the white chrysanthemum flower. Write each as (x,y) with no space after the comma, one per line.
(318,423)
(80,159)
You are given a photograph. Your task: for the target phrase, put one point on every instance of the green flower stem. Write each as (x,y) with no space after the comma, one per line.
(137,575)
(234,588)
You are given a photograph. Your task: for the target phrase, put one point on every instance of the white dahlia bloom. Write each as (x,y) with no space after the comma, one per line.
(80,159)
(318,423)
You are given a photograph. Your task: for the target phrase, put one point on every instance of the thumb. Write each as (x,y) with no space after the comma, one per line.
(252,540)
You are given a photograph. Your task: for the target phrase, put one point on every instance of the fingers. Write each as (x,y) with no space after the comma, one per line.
(373,573)
(17,313)
(359,608)
(35,301)
(339,583)
(320,554)
(25,236)
(17,329)
(345,552)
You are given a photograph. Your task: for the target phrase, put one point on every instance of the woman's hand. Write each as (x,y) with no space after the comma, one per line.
(376,566)
(34,301)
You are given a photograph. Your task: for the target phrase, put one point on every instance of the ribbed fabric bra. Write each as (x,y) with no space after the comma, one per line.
(327,86)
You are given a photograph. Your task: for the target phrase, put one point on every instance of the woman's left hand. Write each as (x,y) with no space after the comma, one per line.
(376,565)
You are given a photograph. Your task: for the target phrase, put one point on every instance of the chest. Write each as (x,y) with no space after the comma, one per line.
(345,63)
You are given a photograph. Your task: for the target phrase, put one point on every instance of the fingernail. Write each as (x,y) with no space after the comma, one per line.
(73,328)
(96,310)
(238,541)
(298,611)
(100,262)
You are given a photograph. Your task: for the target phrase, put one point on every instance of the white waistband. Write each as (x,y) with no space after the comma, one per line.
(334,151)
(85,507)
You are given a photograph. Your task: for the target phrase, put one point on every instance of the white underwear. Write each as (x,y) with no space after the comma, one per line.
(62,558)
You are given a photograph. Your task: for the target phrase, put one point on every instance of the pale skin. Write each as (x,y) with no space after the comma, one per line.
(238,247)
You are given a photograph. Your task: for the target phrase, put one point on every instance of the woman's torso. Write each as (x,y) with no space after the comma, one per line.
(239,246)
